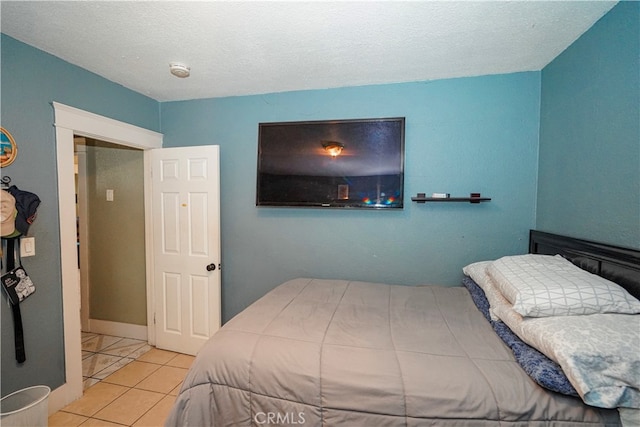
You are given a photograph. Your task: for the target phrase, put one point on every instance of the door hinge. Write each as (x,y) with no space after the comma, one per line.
(154,318)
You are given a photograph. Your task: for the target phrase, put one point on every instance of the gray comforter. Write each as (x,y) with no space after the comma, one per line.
(337,353)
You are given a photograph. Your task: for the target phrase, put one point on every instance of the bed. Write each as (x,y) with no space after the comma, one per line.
(345,353)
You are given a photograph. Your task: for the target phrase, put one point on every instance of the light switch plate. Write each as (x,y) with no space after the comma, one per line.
(27,246)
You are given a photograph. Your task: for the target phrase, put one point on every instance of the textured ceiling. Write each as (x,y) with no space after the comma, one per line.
(242,48)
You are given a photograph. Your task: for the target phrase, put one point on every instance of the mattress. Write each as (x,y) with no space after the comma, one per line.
(336,353)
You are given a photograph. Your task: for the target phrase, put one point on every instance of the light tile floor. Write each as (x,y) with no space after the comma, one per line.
(126,383)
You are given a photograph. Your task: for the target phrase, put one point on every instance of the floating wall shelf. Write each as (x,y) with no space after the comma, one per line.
(473,198)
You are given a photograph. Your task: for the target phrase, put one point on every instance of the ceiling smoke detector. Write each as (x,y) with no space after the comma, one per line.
(179,70)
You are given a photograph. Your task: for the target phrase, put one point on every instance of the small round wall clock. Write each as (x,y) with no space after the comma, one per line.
(8,148)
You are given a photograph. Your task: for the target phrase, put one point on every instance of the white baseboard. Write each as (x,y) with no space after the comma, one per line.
(125,330)
(62,396)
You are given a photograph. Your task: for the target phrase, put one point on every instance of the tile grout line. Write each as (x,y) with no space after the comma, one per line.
(159,360)
(94,377)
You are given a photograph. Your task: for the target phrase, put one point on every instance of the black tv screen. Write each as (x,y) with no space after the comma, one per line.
(332,164)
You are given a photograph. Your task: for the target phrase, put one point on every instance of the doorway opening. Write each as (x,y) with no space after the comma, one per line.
(111,238)
(71,122)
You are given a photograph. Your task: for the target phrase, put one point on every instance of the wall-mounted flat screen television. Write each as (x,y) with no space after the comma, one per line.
(332,164)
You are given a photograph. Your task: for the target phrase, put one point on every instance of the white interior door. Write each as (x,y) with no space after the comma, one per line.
(186,241)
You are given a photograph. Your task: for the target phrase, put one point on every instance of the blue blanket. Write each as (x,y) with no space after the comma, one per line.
(539,367)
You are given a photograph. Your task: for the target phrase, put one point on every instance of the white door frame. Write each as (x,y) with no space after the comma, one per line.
(83,214)
(71,121)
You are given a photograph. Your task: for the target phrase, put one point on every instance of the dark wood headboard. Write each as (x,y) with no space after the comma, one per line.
(620,265)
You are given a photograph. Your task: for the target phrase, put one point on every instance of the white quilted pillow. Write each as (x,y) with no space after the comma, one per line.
(545,285)
(478,272)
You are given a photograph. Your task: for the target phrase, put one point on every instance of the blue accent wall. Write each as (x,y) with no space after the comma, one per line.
(462,135)
(589,179)
(31,81)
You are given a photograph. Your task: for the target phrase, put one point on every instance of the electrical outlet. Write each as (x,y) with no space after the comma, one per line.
(109,195)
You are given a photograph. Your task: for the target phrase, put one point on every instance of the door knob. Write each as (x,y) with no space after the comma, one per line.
(211,267)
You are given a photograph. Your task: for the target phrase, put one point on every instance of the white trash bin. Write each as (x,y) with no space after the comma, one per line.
(25,408)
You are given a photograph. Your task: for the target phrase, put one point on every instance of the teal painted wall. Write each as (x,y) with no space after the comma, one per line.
(589,179)
(30,81)
(462,135)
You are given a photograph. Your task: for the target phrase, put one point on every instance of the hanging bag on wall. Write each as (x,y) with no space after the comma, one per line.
(15,307)
(16,282)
